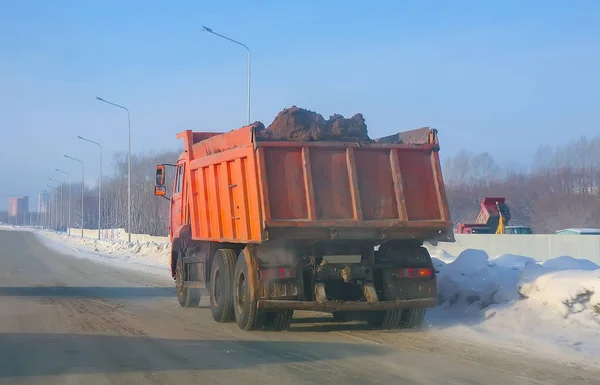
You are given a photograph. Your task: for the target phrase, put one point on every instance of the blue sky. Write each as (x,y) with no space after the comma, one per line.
(497,76)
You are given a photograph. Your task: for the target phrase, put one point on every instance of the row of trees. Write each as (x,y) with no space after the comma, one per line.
(149,213)
(559,190)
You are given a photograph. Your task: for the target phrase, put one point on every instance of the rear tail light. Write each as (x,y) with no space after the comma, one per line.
(413,272)
(277,273)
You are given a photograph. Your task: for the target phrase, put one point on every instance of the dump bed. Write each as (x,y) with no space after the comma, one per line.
(248,191)
(491,208)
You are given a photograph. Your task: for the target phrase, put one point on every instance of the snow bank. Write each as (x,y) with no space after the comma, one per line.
(512,300)
(148,254)
(571,293)
(474,280)
(7,227)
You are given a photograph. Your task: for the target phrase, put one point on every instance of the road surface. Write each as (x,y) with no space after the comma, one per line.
(66,320)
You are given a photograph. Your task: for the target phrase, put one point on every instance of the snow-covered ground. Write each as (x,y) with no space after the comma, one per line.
(510,301)
(549,309)
(149,257)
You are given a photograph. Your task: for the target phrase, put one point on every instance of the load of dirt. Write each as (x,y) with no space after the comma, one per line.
(299,124)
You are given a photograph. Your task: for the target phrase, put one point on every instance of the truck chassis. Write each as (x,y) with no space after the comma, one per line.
(260,286)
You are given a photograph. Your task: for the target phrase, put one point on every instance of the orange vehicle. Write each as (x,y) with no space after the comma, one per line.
(269,227)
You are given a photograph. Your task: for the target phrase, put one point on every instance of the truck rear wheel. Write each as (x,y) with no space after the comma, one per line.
(188,297)
(386,319)
(278,320)
(247,315)
(221,285)
(412,318)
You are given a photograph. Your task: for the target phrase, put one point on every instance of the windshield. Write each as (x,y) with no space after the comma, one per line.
(518,230)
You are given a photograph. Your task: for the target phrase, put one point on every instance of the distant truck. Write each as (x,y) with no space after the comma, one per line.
(492,219)
(269,227)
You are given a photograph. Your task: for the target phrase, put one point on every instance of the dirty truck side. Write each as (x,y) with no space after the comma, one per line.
(269,227)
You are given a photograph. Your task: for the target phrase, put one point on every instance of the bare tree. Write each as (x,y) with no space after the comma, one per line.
(562,190)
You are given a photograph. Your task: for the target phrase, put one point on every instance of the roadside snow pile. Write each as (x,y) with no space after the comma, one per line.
(518,303)
(570,293)
(148,253)
(473,281)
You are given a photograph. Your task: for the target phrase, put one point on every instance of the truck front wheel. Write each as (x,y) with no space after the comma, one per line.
(247,315)
(221,285)
(188,297)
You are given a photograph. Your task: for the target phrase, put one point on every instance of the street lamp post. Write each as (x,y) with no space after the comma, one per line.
(128,164)
(69,200)
(44,213)
(82,187)
(206,29)
(49,218)
(52,216)
(60,214)
(99,185)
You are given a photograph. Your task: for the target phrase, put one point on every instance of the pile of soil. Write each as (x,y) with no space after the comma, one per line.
(299,124)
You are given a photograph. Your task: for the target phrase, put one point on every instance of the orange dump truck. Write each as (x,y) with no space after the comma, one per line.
(269,227)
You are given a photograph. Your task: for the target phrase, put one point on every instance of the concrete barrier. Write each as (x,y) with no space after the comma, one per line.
(538,246)
(119,235)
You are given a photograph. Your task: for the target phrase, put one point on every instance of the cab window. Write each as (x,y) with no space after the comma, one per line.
(179,179)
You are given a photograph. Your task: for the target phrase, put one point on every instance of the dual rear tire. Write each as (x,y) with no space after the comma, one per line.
(187,297)
(396,318)
(221,278)
(231,297)
(385,319)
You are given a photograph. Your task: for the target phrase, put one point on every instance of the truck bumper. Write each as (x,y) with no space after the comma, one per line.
(329,306)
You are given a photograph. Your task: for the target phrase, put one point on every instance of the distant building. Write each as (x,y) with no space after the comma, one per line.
(18,206)
(583,231)
(43,203)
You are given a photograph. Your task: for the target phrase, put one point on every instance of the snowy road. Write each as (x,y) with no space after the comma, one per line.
(66,320)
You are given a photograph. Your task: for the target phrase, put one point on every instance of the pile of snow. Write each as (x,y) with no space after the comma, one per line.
(571,293)
(474,281)
(9,227)
(518,302)
(148,254)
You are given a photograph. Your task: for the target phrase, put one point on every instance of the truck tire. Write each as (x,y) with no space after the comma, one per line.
(278,320)
(412,318)
(247,315)
(188,297)
(385,319)
(221,285)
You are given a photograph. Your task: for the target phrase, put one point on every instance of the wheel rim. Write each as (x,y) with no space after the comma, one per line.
(217,287)
(241,293)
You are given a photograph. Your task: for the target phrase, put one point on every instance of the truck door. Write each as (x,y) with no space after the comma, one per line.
(176,200)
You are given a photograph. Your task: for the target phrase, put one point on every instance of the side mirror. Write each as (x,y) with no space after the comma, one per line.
(160,191)
(160,175)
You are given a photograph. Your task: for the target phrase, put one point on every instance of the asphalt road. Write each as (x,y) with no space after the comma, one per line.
(65,320)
